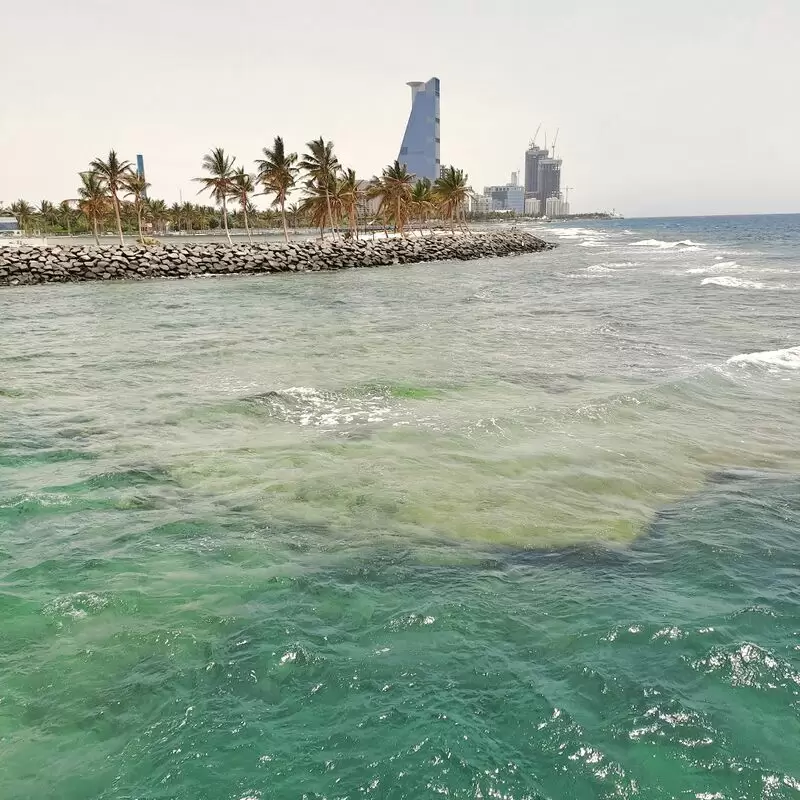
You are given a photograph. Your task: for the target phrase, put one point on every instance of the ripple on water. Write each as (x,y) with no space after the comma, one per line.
(78,605)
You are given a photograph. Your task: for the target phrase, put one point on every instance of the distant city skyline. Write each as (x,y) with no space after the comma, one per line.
(658,106)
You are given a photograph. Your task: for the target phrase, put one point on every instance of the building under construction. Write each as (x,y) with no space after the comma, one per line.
(542,174)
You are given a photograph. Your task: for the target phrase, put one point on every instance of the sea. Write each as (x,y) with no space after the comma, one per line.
(524,528)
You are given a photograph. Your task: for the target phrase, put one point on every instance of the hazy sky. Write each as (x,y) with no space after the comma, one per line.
(664,106)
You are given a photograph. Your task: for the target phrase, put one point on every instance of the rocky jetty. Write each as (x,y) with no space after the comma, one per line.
(56,264)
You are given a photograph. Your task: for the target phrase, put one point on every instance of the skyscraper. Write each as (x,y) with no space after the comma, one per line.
(542,175)
(549,180)
(420,148)
(532,157)
(140,168)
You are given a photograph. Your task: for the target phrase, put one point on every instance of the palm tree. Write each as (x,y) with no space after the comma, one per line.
(399,182)
(242,188)
(202,216)
(47,212)
(219,181)
(277,172)
(113,172)
(128,215)
(65,215)
(394,190)
(422,201)
(349,197)
(188,212)
(159,213)
(319,204)
(24,213)
(321,165)
(295,213)
(451,192)
(375,191)
(136,186)
(93,200)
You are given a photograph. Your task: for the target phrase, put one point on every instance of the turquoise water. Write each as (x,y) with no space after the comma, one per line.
(520,528)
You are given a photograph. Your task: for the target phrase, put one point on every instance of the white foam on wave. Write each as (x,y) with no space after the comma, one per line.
(735,265)
(576,233)
(782,359)
(687,244)
(611,266)
(729,282)
(306,406)
(592,243)
(713,268)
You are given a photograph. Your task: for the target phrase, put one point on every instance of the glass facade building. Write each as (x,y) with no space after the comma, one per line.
(509,197)
(420,148)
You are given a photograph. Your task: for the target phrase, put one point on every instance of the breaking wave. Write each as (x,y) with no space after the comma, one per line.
(662,245)
(305,406)
(729,282)
(783,359)
(611,266)
(720,265)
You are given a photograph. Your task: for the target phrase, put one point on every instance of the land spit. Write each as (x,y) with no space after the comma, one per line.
(45,264)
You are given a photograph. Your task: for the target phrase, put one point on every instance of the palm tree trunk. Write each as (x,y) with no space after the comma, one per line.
(119,220)
(139,223)
(94,230)
(330,212)
(247,225)
(225,220)
(398,221)
(283,217)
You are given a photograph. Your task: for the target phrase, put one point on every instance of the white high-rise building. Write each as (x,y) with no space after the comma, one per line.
(556,207)
(481,204)
(532,205)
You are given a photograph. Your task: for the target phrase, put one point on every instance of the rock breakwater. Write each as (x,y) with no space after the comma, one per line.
(67,264)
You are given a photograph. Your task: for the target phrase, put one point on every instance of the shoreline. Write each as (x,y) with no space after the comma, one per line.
(39,264)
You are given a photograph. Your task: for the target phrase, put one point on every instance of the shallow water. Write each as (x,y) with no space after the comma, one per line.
(525,527)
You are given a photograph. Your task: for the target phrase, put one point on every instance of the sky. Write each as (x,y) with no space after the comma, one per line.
(664,108)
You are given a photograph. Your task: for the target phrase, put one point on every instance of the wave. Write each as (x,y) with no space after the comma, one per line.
(783,359)
(611,266)
(713,268)
(575,233)
(731,283)
(306,406)
(687,244)
(725,265)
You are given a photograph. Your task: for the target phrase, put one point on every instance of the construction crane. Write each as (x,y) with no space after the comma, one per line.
(532,143)
(567,190)
(555,139)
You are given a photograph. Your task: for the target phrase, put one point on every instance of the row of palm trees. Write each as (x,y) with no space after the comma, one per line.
(47,218)
(333,198)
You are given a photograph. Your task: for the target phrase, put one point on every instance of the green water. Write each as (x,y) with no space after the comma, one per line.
(474,530)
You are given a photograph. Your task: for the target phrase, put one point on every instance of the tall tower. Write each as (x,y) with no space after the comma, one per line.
(549,180)
(533,155)
(140,168)
(420,150)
